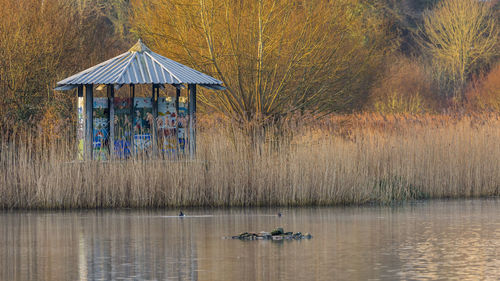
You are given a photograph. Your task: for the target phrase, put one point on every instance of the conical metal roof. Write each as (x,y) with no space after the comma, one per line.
(139,65)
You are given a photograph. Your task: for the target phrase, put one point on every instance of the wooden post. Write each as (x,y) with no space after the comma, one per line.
(80,128)
(154,127)
(177,96)
(177,118)
(89,123)
(111,107)
(132,118)
(80,91)
(192,120)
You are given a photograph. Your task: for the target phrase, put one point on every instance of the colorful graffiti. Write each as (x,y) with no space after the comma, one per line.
(182,124)
(143,122)
(100,128)
(170,125)
(134,125)
(167,128)
(122,126)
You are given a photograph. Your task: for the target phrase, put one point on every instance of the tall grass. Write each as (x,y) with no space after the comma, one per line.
(341,160)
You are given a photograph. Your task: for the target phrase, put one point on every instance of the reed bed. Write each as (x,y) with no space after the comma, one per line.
(352,159)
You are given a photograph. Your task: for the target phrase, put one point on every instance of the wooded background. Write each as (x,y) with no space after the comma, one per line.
(276,57)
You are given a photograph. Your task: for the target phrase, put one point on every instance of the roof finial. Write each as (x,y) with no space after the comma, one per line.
(139,47)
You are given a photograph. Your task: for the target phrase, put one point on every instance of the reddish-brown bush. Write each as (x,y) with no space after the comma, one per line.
(484,94)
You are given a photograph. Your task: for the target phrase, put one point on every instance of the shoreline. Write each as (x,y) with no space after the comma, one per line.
(190,209)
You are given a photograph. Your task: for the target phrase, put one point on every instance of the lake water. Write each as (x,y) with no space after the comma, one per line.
(419,240)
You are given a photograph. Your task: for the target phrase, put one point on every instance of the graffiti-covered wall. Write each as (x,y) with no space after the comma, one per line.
(143,124)
(133,126)
(100,133)
(171,125)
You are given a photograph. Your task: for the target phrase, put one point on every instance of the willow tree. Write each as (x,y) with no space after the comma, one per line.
(461,39)
(274,56)
(40,43)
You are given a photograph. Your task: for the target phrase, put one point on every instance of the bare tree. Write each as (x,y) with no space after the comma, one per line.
(461,39)
(41,42)
(274,56)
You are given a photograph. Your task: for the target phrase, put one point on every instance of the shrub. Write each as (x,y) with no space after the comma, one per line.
(406,88)
(484,95)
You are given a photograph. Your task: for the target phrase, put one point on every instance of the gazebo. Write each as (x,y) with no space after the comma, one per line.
(138,66)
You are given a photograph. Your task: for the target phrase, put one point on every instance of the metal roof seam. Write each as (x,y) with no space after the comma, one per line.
(107,78)
(102,69)
(114,76)
(162,66)
(141,66)
(87,70)
(148,70)
(126,67)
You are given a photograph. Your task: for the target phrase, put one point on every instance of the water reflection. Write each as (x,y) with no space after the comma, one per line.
(140,246)
(427,240)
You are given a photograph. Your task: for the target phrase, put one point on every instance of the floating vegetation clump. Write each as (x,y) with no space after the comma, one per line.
(276,234)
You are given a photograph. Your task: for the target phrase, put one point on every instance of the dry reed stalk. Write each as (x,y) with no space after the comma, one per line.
(341,160)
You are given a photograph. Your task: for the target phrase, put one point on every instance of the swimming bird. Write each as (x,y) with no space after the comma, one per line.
(181,214)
